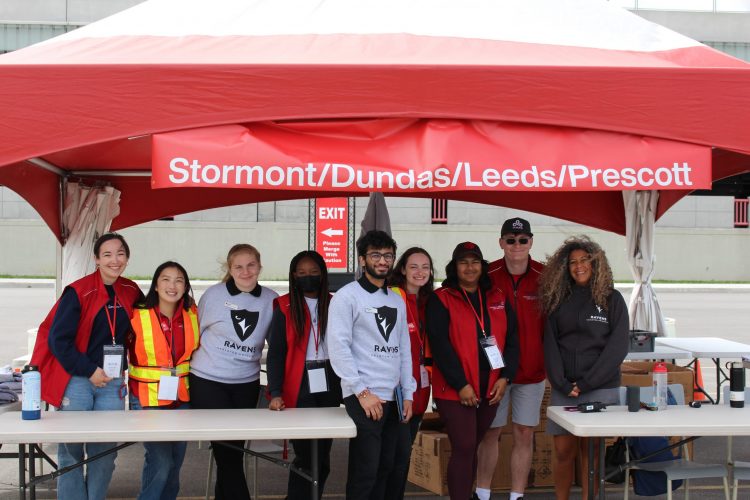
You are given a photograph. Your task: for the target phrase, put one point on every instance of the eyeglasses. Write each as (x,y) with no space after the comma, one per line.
(521,241)
(376,256)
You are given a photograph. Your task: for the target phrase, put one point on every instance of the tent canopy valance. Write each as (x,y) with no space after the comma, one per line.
(86,104)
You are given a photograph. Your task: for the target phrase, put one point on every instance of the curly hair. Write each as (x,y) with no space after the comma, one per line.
(556,282)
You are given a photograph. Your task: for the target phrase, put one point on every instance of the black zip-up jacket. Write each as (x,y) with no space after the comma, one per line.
(585,344)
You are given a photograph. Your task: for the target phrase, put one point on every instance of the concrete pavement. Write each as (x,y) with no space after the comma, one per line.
(699,310)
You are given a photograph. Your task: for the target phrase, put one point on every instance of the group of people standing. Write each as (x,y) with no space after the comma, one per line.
(482,343)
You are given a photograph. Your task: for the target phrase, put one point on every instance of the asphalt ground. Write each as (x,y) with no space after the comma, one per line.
(699,311)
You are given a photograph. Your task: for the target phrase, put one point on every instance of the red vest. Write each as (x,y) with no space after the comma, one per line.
(296,352)
(418,339)
(529,318)
(151,356)
(92,296)
(462,332)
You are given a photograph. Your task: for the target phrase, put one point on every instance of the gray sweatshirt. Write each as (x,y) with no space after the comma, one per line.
(234,326)
(368,341)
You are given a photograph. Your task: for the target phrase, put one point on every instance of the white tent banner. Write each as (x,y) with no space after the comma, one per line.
(87,214)
(640,219)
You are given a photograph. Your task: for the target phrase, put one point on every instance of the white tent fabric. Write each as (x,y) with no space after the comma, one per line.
(87,214)
(640,218)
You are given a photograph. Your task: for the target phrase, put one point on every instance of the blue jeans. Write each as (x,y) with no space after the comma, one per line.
(81,395)
(160,479)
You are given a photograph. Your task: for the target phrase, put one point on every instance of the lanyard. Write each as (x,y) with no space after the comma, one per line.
(315,329)
(166,328)
(415,317)
(480,319)
(112,320)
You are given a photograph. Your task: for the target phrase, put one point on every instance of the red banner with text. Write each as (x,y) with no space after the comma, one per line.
(405,155)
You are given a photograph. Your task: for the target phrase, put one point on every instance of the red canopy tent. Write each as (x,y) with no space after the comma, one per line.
(86,104)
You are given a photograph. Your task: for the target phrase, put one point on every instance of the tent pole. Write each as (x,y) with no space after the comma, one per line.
(58,245)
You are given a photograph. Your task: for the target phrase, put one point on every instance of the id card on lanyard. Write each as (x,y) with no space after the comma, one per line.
(487,342)
(113,354)
(317,378)
(168,386)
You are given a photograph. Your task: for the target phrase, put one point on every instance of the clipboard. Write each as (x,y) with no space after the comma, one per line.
(398,396)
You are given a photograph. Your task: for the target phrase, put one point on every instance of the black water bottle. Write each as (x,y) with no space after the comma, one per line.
(737,385)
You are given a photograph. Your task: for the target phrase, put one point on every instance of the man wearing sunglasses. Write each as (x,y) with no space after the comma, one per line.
(518,276)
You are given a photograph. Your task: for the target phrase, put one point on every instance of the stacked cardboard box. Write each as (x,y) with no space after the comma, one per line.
(429,461)
(640,373)
(541,462)
(431,452)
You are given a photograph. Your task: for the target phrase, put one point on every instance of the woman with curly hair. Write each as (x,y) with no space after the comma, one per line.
(585,342)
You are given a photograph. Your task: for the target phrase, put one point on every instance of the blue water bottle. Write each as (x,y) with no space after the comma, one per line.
(31,386)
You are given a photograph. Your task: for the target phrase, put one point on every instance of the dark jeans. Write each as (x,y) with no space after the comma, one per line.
(396,485)
(466,426)
(298,487)
(207,394)
(372,451)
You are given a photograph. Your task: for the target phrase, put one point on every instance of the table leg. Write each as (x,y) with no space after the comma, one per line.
(32,471)
(592,468)
(22,471)
(315,472)
(698,386)
(602,470)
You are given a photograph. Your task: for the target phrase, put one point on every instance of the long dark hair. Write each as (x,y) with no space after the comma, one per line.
(152,297)
(398,276)
(297,297)
(451,276)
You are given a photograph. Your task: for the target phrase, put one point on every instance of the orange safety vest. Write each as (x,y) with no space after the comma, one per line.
(150,356)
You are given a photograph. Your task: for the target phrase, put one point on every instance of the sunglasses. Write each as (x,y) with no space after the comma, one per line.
(521,241)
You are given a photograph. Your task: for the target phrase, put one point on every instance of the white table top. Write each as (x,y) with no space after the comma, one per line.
(660,352)
(708,420)
(10,407)
(176,425)
(707,347)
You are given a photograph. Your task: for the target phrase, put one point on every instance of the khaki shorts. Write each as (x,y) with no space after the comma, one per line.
(526,402)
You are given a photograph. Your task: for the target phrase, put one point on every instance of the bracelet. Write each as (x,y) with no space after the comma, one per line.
(364,393)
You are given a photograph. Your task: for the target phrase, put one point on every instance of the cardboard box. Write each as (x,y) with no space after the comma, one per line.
(541,462)
(640,373)
(429,461)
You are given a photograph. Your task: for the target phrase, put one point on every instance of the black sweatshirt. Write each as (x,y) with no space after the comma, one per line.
(585,344)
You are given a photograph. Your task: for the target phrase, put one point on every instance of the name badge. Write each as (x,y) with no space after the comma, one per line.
(231,306)
(494,356)
(113,356)
(168,387)
(425,376)
(317,379)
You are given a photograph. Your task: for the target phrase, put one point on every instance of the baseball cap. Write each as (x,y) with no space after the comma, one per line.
(516,225)
(467,247)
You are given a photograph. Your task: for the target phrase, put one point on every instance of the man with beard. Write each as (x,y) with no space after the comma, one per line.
(368,344)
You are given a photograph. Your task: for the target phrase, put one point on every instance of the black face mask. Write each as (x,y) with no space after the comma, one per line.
(308,284)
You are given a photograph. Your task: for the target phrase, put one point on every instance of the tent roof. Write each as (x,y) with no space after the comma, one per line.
(88,101)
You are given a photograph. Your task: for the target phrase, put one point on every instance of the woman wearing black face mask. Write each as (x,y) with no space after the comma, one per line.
(299,372)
